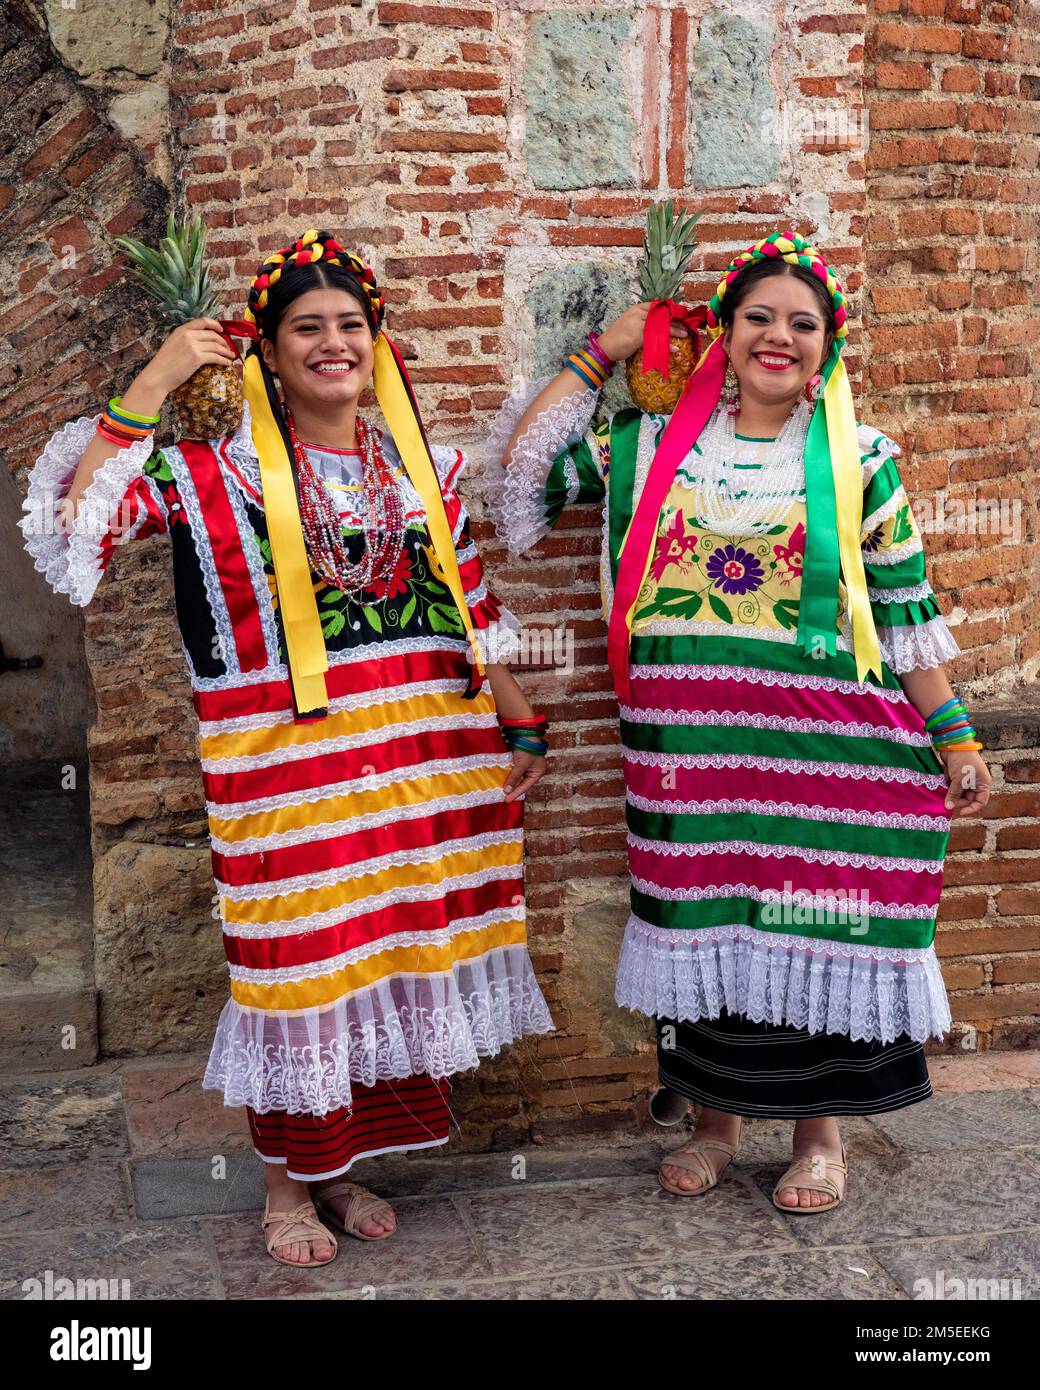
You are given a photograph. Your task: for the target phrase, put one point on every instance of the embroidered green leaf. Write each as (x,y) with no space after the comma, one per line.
(331,595)
(407,611)
(774,531)
(332,623)
(445,619)
(783,617)
(158,468)
(264,548)
(372,618)
(719,608)
(902,530)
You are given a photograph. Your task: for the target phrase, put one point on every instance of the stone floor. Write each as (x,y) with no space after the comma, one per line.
(131,1172)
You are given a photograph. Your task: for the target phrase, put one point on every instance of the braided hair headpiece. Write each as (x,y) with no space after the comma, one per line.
(311,248)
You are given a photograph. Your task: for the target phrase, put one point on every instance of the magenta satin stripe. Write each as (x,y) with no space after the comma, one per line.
(752,783)
(789,702)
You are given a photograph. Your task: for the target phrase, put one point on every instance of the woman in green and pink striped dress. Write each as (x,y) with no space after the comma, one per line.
(777,652)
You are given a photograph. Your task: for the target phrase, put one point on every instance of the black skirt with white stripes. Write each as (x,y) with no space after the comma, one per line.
(759,1069)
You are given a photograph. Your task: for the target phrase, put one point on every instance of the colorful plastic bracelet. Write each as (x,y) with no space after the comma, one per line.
(116,405)
(599,353)
(120,439)
(584,365)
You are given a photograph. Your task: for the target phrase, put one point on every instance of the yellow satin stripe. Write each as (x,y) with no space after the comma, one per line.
(405,960)
(382,715)
(331,896)
(848,496)
(308,659)
(406,793)
(392,396)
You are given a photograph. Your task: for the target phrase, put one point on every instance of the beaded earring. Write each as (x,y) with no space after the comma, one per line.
(731,391)
(812,389)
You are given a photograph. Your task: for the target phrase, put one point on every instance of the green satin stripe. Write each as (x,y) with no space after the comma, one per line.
(750,653)
(624,441)
(885,483)
(908,571)
(818,603)
(689,829)
(590,484)
(769,743)
(904,614)
(768,918)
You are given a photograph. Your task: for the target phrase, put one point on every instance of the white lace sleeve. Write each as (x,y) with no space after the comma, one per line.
(917,646)
(70,560)
(515,495)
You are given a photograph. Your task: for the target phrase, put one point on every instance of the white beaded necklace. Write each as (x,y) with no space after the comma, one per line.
(767,495)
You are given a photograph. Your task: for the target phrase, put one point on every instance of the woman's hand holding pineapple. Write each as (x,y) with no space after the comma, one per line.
(625,335)
(190,346)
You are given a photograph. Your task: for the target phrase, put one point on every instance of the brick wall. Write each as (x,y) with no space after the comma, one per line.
(495,160)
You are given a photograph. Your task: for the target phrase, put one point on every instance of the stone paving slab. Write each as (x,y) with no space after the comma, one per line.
(71,1119)
(1009,1256)
(849,1273)
(584,1285)
(171,1261)
(609,1223)
(916,1195)
(985,1120)
(81,1194)
(431,1239)
(165,1188)
(168,1112)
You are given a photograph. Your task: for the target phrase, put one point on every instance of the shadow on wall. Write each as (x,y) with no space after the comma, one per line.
(44,712)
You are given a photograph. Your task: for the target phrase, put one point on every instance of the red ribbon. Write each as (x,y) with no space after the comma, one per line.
(657,332)
(237,328)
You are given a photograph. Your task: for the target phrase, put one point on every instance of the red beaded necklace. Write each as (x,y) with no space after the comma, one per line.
(383,512)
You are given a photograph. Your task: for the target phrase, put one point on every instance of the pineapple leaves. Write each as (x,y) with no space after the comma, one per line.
(668,244)
(175,273)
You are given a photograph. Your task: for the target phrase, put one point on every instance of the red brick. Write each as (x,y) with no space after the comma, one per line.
(452,16)
(57,146)
(344,54)
(440,79)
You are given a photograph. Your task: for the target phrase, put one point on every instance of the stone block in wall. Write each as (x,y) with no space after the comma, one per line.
(579,130)
(95,37)
(733,121)
(597,915)
(565,302)
(159,960)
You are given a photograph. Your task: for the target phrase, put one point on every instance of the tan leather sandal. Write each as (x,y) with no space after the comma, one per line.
(692,1157)
(299,1226)
(804,1172)
(362,1205)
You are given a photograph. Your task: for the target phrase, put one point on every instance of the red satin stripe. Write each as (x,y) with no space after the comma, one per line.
(229,558)
(304,774)
(270,952)
(350,847)
(346,678)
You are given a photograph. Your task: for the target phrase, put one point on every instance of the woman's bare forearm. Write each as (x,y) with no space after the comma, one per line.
(926,690)
(143,397)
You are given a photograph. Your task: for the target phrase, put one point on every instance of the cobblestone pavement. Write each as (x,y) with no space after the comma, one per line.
(131,1172)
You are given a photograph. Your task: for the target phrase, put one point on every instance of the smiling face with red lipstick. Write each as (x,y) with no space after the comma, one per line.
(778,332)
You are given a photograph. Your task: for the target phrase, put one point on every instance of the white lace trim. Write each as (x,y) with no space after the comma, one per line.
(515,495)
(501,640)
(824,903)
(841,815)
(307,1061)
(70,560)
(296,752)
(846,858)
(824,986)
(913,593)
(361,699)
(228,652)
(699,627)
(879,514)
(895,555)
(874,772)
(363,868)
(779,723)
(332,830)
(917,646)
(373,781)
(760,676)
(869,439)
(374,902)
(332,965)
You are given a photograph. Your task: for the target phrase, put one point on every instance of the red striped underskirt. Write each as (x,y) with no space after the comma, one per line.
(391,1115)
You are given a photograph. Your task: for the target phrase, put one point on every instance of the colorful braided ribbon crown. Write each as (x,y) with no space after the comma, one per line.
(790,247)
(313,246)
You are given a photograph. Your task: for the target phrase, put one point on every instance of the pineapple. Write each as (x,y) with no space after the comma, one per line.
(667,248)
(209,403)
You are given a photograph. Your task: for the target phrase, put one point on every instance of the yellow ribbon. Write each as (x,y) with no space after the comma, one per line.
(847,471)
(305,644)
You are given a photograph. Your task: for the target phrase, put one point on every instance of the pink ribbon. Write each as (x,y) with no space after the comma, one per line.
(690,416)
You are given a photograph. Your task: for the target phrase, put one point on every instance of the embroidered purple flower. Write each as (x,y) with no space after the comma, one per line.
(872,541)
(734,571)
